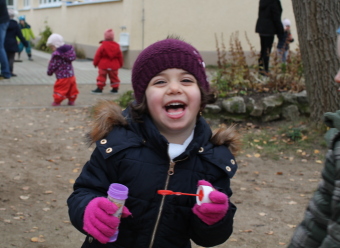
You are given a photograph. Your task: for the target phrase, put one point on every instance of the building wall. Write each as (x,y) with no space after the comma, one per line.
(196,21)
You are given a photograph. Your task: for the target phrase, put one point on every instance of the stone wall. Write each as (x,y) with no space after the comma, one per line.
(267,108)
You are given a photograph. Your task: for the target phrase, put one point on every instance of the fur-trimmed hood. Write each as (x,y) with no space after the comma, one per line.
(107,114)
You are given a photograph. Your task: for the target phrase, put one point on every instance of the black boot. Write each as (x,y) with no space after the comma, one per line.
(97,91)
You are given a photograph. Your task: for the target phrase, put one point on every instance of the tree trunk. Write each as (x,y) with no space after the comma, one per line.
(317,22)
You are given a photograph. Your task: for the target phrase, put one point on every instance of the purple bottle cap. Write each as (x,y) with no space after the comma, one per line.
(118,191)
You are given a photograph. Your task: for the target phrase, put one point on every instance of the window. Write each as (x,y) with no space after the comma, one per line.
(10,3)
(49,3)
(26,3)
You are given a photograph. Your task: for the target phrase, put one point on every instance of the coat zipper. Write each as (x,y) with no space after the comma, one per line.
(171,171)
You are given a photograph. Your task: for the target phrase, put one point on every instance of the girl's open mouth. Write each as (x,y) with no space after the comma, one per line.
(175,109)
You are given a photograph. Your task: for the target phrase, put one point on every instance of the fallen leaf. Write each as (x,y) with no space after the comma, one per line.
(249,156)
(316,151)
(291,226)
(318,161)
(37,239)
(279,173)
(262,214)
(24,197)
(48,192)
(281,243)
(26,188)
(72,181)
(46,209)
(269,233)
(292,203)
(257,155)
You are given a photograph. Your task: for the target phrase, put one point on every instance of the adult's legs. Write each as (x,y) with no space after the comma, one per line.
(266,48)
(3,56)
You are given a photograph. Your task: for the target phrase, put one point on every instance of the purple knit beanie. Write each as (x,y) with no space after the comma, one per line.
(166,54)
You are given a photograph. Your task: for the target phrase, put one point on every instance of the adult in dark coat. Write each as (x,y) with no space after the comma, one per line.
(4,20)
(268,24)
(11,43)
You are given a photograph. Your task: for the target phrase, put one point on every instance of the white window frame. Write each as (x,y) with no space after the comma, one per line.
(50,3)
(26,3)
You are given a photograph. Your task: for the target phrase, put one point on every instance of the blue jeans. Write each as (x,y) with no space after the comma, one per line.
(3,56)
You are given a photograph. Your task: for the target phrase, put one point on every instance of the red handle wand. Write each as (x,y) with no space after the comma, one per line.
(169,192)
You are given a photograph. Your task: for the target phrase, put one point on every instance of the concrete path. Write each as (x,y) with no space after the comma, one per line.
(33,88)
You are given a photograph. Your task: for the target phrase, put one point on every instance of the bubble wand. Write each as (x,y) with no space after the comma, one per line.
(201,194)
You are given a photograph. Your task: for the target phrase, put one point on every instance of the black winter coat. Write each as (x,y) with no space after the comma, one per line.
(136,155)
(13,31)
(269,18)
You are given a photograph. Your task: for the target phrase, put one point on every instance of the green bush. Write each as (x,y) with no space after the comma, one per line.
(41,44)
(125,99)
(236,76)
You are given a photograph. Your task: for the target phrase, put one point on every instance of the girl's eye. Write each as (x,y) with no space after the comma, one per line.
(159,82)
(187,80)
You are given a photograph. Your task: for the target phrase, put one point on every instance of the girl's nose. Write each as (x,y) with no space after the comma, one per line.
(337,77)
(174,87)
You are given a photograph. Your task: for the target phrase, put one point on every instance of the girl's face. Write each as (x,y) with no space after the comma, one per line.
(53,48)
(173,99)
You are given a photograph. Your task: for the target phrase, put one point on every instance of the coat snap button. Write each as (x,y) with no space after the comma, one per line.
(108,150)
(228,168)
(90,239)
(103,141)
(232,161)
(201,149)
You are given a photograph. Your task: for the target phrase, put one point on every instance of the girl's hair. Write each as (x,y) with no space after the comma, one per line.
(138,110)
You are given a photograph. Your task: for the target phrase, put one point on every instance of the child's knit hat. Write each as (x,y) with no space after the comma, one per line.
(166,54)
(55,40)
(22,18)
(286,22)
(108,35)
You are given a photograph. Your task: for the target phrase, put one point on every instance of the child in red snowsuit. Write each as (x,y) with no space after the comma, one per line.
(109,59)
(61,65)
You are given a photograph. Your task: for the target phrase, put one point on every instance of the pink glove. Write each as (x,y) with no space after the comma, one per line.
(98,219)
(210,213)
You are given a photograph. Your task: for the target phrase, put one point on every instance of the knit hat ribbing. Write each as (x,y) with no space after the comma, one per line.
(166,54)
(108,35)
(56,40)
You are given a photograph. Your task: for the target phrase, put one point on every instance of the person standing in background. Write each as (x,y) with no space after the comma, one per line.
(268,24)
(28,34)
(61,65)
(108,59)
(284,40)
(4,21)
(11,43)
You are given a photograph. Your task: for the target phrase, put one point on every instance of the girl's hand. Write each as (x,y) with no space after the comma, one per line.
(211,213)
(99,221)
